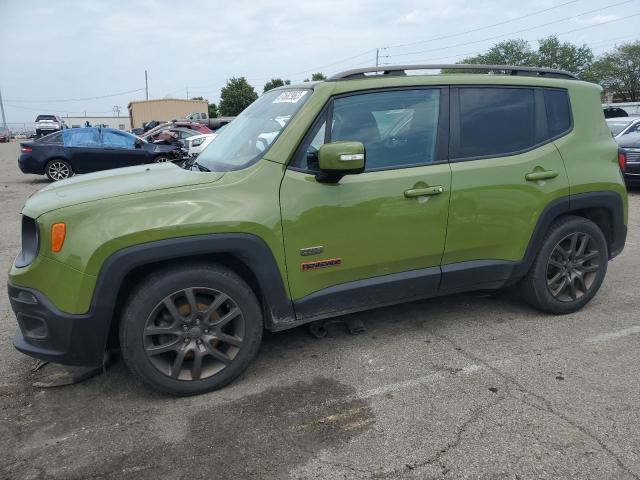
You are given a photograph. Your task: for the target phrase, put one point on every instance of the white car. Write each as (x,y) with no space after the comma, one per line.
(46,124)
(196,144)
(620,126)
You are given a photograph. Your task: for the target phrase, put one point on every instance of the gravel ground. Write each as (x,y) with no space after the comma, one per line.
(465,386)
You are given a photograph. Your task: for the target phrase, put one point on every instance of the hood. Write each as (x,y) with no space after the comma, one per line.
(113,183)
(630,140)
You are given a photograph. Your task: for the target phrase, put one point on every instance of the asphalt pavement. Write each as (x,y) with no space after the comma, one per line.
(464,386)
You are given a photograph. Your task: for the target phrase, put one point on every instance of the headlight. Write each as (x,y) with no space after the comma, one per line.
(30,242)
(197,142)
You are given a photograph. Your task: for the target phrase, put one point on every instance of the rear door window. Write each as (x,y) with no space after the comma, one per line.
(82,137)
(494,121)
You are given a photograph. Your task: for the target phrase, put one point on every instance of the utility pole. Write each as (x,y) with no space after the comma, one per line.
(146,86)
(377,56)
(187,93)
(4,119)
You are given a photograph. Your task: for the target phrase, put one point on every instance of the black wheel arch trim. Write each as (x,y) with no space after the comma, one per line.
(248,248)
(609,200)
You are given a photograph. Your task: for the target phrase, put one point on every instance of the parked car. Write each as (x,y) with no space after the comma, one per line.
(623,125)
(5,136)
(213,123)
(83,150)
(150,125)
(46,124)
(629,158)
(177,134)
(197,143)
(371,188)
(614,112)
(198,127)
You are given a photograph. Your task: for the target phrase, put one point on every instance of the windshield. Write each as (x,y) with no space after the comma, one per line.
(243,141)
(616,126)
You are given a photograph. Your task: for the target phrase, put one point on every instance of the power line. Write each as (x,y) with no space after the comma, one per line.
(527,30)
(79,99)
(433,39)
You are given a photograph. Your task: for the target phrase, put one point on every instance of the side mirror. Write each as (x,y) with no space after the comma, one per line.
(338,159)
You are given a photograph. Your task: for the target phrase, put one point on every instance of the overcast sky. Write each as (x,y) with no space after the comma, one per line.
(54,51)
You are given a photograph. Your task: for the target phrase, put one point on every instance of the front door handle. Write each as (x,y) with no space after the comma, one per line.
(421,192)
(541,175)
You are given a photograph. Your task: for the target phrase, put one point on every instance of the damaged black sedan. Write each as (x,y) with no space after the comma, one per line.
(83,150)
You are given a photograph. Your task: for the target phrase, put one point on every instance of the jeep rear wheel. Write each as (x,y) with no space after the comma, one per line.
(190,329)
(569,268)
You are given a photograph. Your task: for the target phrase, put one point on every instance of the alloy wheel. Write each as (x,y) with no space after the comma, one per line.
(58,170)
(194,333)
(573,267)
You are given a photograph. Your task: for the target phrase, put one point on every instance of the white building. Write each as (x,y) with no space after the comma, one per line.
(121,123)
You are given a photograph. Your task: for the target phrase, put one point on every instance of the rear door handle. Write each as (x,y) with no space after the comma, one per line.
(541,175)
(421,192)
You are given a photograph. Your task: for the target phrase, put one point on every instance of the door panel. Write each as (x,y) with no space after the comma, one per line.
(494,208)
(366,221)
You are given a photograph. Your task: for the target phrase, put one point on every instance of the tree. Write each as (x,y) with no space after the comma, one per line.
(550,53)
(565,56)
(275,83)
(316,77)
(212,109)
(509,52)
(235,96)
(619,72)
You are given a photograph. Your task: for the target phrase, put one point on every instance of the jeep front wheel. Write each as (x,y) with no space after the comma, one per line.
(190,329)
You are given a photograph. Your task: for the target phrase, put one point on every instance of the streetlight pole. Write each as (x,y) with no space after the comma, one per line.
(4,119)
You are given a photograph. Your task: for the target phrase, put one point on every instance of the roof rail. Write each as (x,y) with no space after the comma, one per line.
(401,70)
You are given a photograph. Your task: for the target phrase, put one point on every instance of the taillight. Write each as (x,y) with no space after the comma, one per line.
(622,160)
(25,149)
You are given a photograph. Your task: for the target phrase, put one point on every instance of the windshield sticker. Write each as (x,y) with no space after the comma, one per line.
(290,96)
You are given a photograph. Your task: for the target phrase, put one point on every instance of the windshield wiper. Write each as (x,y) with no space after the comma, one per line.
(201,167)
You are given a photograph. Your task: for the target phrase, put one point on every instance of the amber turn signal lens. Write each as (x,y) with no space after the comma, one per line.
(58,232)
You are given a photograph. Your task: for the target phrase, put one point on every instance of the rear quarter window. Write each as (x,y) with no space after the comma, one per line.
(558,111)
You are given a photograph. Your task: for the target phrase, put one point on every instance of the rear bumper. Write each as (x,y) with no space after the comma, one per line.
(28,164)
(46,333)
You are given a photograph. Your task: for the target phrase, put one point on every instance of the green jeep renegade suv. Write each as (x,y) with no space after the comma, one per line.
(372,188)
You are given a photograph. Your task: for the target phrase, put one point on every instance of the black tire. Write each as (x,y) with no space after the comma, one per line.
(569,268)
(150,305)
(161,159)
(58,169)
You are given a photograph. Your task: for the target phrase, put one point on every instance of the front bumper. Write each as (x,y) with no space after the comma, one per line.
(47,333)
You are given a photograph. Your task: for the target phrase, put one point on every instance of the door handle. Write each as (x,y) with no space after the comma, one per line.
(541,175)
(421,192)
